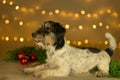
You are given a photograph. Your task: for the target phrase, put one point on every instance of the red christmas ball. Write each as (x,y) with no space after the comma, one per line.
(32,57)
(24,60)
(20,55)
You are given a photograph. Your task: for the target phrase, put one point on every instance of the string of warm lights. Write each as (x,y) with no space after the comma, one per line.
(86,41)
(96,14)
(6,38)
(62,13)
(21,39)
(79,43)
(91,15)
(94,26)
(4,16)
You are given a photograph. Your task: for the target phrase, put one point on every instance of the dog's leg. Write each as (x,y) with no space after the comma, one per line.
(60,71)
(34,69)
(103,70)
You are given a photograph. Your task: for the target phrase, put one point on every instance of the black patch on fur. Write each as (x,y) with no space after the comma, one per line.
(59,43)
(59,31)
(93,50)
(109,51)
(93,70)
(41,31)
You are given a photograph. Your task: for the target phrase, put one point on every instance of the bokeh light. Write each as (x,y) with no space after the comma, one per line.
(80,27)
(57,11)
(86,41)
(82,12)
(7,38)
(7,21)
(67,26)
(11,3)
(21,39)
(4,1)
(79,43)
(106,42)
(20,23)
(17,7)
(68,42)
(43,12)
(15,38)
(94,26)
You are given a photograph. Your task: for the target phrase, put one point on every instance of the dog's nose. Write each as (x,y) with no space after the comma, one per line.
(34,34)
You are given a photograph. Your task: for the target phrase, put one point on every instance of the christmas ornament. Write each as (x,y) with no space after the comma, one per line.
(32,57)
(20,55)
(24,60)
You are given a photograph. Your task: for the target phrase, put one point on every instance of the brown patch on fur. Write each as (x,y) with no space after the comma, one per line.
(50,39)
(39,37)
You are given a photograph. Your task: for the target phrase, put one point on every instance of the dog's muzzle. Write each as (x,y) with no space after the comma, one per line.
(38,39)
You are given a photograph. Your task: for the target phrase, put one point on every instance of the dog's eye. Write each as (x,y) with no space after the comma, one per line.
(47,28)
(39,31)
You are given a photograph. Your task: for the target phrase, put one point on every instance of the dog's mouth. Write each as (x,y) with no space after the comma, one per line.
(39,40)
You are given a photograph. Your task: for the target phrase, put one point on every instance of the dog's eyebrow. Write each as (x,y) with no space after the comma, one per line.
(41,27)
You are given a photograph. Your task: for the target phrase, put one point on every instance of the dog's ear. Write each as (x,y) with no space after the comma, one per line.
(59,31)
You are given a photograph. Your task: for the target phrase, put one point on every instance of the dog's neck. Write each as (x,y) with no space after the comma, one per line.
(51,51)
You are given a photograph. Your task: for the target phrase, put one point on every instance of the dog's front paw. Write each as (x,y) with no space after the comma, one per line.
(40,74)
(28,70)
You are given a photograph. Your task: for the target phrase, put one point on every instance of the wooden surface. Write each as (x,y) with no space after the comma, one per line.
(13,71)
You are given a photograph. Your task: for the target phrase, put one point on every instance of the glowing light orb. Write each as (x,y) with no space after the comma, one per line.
(67,26)
(79,43)
(7,21)
(68,42)
(7,38)
(21,39)
(94,26)
(43,12)
(57,11)
(80,27)
(21,23)
(17,7)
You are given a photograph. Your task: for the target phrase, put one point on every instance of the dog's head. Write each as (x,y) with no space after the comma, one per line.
(50,34)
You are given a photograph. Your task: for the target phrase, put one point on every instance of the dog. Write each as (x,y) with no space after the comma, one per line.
(63,59)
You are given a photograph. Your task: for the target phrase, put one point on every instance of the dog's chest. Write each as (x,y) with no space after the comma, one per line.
(54,58)
(53,62)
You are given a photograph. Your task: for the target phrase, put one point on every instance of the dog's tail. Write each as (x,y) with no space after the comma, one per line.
(112,43)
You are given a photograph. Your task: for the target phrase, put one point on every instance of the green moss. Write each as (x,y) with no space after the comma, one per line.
(115,69)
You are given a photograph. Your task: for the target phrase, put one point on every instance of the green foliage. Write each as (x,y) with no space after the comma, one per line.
(40,53)
(115,69)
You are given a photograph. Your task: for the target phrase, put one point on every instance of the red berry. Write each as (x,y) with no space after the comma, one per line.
(20,55)
(24,60)
(32,57)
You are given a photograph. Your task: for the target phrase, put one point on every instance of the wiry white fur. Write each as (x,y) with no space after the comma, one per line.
(112,41)
(70,60)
